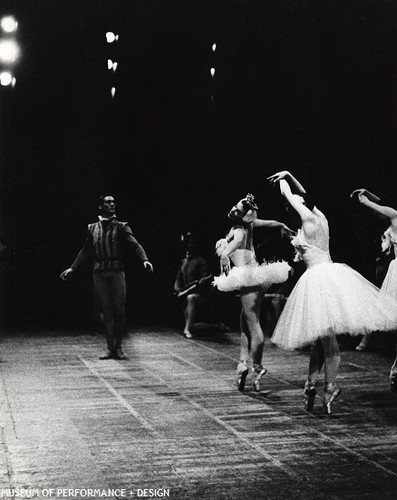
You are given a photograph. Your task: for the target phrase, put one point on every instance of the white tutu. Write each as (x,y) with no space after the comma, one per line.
(329,299)
(389,285)
(252,275)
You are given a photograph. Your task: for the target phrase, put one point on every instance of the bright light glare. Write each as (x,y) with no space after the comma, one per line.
(112,65)
(9,51)
(111,37)
(113,91)
(8,24)
(13,82)
(5,78)
(213,47)
(212,71)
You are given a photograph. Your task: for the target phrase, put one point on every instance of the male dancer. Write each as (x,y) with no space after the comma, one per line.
(103,245)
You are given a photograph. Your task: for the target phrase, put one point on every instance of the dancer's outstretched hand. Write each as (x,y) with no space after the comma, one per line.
(286,232)
(278,176)
(358,192)
(367,194)
(148,266)
(66,274)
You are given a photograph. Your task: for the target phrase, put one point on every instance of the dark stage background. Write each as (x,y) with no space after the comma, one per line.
(308,86)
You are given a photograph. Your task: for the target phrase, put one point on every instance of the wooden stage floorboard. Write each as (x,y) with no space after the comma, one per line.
(171,419)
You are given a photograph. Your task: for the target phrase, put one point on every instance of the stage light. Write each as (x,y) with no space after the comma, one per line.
(113,91)
(111,37)
(112,65)
(8,24)
(9,51)
(5,78)
(213,47)
(212,71)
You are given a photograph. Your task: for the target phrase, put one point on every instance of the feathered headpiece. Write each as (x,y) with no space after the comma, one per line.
(249,201)
(248,204)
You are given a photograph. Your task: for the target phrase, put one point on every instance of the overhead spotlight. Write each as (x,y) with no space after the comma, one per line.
(8,24)
(13,82)
(111,37)
(212,71)
(113,91)
(5,78)
(112,65)
(9,51)
(213,47)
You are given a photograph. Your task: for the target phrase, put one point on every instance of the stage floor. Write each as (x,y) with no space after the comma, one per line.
(170,420)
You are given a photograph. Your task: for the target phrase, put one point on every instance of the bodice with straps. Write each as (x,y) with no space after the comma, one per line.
(245,255)
(311,254)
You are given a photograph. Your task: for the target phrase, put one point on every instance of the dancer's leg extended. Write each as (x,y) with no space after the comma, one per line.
(118,292)
(315,363)
(103,296)
(252,338)
(192,303)
(331,359)
(331,366)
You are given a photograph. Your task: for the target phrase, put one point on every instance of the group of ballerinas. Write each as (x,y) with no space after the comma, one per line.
(328,299)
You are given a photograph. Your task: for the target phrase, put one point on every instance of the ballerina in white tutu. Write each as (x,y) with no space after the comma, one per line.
(328,299)
(251,279)
(389,245)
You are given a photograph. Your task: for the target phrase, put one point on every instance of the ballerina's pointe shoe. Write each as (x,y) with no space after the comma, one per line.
(258,373)
(242,372)
(363,345)
(329,397)
(310,394)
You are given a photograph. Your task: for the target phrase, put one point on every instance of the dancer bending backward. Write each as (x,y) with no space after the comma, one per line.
(328,299)
(251,279)
(389,243)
